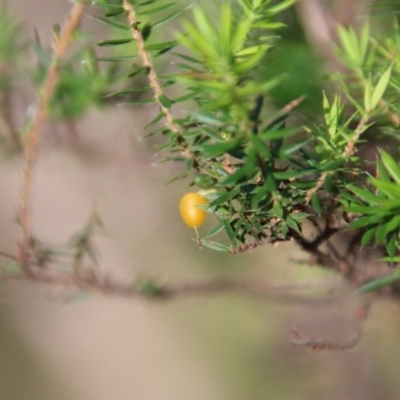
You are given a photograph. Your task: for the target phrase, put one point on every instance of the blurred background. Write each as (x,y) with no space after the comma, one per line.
(57,345)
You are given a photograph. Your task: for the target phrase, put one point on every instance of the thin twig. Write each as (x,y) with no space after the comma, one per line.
(394,118)
(286,109)
(248,246)
(7,118)
(9,255)
(108,287)
(357,132)
(147,63)
(315,188)
(32,136)
(134,24)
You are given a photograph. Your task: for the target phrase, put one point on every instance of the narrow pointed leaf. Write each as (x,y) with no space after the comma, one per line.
(110,22)
(215,246)
(391,166)
(156,9)
(380,88)
(114,42)
(213,231)
(379,283)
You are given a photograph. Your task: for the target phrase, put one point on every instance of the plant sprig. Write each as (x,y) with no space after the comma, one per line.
(265,178)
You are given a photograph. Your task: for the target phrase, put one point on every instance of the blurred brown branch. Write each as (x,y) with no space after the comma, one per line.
(31,139)
(90,280)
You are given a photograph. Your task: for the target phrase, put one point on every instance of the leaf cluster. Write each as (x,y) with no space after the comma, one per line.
(261,173)
(265,164)
(379,205)
(82,84)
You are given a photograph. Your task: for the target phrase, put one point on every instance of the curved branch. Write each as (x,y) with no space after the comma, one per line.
(32,136)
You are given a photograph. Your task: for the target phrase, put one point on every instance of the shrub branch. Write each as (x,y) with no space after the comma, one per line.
(153,79)
(31,138)
(151,289)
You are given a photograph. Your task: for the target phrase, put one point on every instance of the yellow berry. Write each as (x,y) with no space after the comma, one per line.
(192,215)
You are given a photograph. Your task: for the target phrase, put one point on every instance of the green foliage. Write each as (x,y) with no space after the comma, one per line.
(150,288)
(260,173)
(82,84)
(262,133)
(380,207)
(10,40)
(301,70)
(11,48)
(354,48)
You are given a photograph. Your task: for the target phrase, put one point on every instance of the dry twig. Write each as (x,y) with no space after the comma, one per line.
(32,136)
(149,290)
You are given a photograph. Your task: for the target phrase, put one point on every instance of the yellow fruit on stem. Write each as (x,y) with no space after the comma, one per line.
(192,215)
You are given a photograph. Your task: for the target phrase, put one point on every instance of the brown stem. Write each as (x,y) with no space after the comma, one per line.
(147,63)
(357,132)
(105,286)
(32,136)
(153,79)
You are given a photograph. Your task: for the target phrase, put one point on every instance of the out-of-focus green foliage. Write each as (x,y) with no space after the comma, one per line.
(10,39)
(11,46)
(264,135)
(82,84)
(301,69)
(243,82)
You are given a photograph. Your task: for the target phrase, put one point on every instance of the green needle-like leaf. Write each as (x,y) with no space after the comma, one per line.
(380,88)
(379,283)
(391,166)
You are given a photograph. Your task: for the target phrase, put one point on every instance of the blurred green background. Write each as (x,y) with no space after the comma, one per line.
(55,345)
